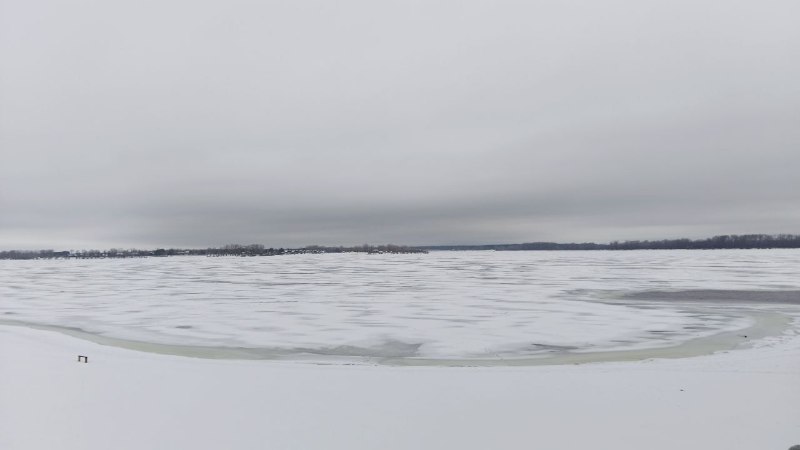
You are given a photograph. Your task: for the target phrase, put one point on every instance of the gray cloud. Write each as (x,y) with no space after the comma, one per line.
(290,123)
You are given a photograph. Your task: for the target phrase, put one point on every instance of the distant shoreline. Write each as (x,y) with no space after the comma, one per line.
(740,242)
(228,250)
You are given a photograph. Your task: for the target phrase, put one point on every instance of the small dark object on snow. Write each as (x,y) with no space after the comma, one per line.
(83,358)
(795,447)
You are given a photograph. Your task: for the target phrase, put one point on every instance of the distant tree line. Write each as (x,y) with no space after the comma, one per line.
(226,250)
(744,241)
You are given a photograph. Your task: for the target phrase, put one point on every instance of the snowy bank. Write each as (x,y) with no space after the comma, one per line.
(122,399)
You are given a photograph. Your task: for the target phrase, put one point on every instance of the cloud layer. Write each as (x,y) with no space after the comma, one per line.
(195,123)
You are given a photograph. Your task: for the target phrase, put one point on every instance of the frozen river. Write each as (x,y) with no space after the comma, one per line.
(451,306)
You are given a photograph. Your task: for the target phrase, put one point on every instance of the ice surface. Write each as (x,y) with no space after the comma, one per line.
(747,399)
(439,305)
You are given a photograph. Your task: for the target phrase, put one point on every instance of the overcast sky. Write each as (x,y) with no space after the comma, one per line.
(198,122)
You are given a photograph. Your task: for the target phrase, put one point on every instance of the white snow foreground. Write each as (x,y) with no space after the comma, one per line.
(122,399)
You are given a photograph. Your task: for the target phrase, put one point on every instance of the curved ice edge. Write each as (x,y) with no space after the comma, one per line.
(764,324)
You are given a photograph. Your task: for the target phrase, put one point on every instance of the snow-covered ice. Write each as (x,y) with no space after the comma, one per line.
(748,399)
(444,305)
